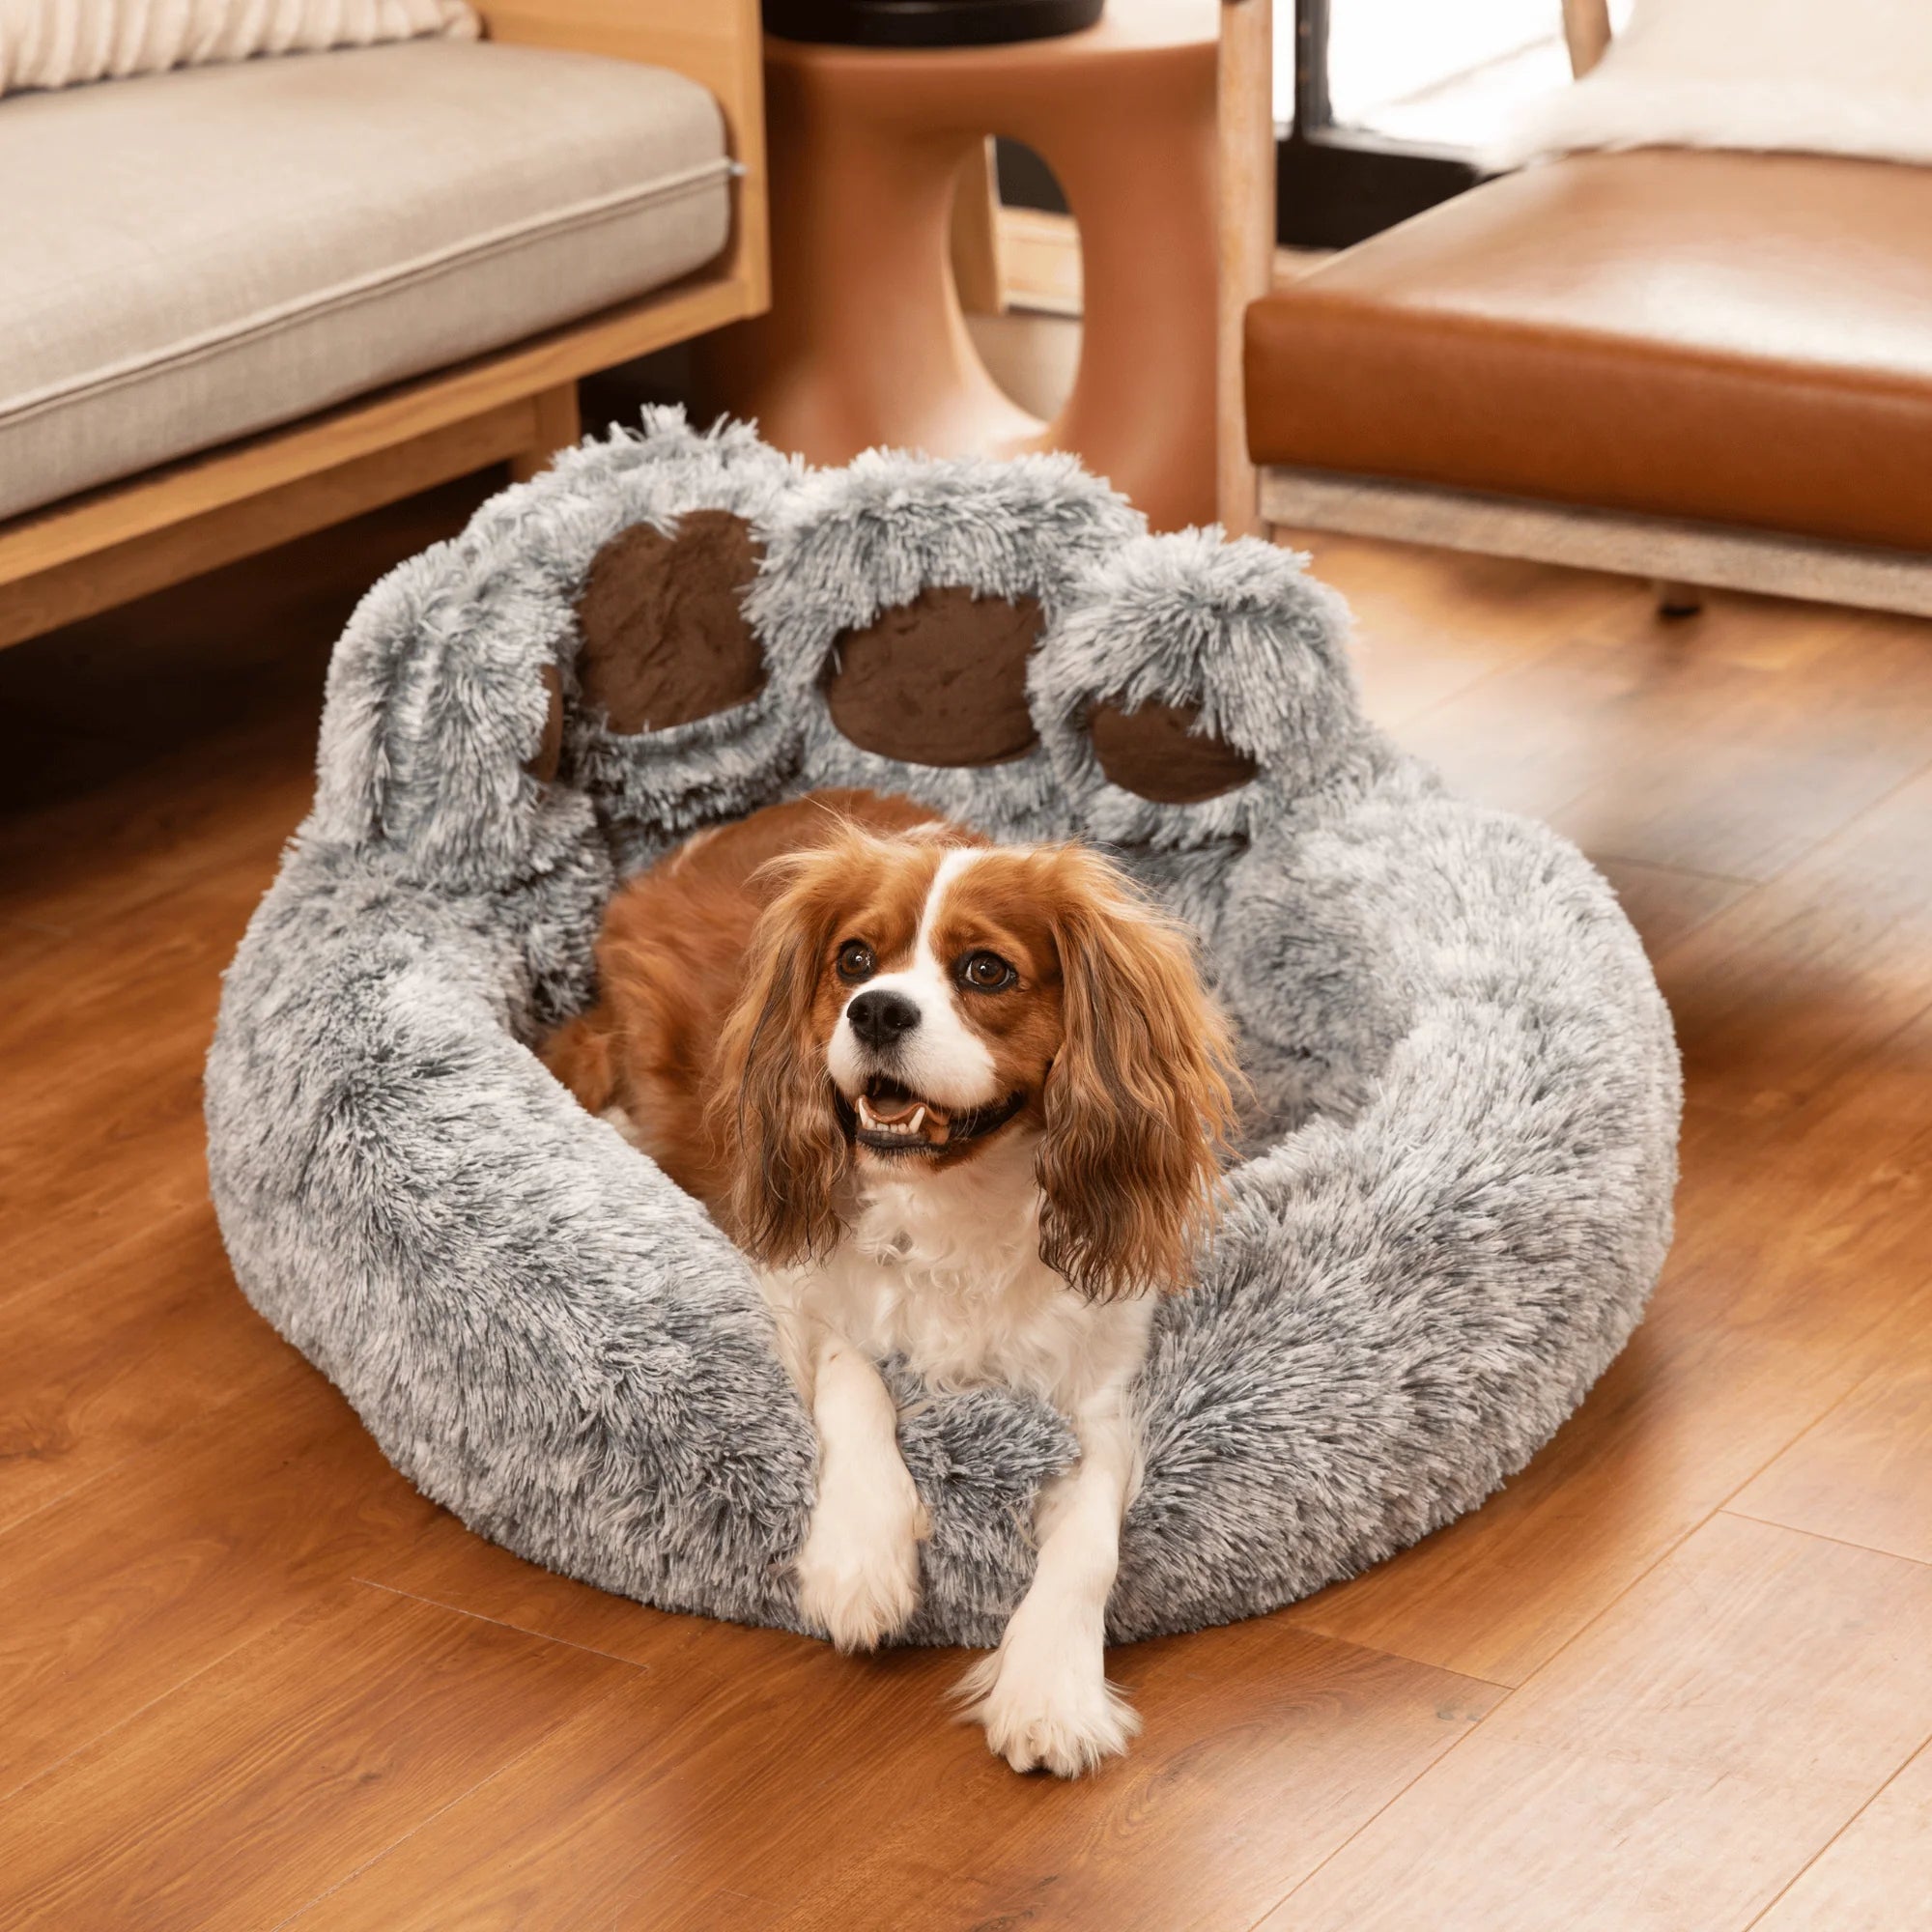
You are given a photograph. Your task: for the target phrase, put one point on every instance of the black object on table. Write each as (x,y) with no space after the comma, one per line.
(927,23)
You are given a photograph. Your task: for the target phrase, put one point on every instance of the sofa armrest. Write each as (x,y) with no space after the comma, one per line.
(716,43)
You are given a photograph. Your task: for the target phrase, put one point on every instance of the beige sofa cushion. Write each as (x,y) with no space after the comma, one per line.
(64,43)
(189,257)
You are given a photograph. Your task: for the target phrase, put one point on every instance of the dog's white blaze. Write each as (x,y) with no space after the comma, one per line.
(944,1060)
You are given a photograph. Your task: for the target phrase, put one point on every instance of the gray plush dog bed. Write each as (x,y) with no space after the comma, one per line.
(1457,1193)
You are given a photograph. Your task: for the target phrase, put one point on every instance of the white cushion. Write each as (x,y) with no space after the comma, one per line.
(1851,77)
(204,253)
(63,43)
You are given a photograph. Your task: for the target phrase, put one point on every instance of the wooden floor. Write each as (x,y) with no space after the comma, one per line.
(1677,1675)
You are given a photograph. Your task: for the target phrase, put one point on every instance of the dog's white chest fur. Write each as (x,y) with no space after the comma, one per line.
(942,1270)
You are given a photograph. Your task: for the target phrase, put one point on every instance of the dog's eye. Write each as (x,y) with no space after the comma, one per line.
(986,971)
(856,961)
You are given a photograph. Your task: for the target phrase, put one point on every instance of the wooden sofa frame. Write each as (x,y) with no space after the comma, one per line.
(89,553)
(1678,556)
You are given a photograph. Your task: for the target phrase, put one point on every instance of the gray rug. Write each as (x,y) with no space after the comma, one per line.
(1457,1190)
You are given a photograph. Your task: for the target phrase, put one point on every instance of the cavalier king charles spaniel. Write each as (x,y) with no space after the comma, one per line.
(963,1104)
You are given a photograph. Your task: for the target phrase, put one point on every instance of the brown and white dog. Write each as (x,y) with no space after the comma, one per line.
(963,1104)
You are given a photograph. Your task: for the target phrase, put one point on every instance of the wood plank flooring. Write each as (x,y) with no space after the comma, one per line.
(1674,1676)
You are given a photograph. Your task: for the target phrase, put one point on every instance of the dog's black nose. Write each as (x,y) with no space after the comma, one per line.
(880,1018)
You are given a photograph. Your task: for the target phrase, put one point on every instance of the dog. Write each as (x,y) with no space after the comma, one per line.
(963,1104)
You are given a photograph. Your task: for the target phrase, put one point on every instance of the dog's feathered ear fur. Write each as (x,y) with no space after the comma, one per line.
(772,1114)
(1139,1099)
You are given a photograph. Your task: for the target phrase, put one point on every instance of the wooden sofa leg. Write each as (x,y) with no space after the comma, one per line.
(1676,599)
(558,427)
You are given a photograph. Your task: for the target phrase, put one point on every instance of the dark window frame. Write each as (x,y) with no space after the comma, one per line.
(1335,186)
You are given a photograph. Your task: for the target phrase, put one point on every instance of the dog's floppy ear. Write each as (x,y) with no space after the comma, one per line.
(772,1115)
(1139,1101)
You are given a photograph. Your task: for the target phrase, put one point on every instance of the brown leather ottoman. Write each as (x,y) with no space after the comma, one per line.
(1732,339)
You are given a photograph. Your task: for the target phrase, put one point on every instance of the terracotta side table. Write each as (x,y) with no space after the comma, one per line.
(866,343)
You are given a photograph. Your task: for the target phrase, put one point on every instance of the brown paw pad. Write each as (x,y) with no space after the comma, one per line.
(939,681)
(1156,752)
(664,637)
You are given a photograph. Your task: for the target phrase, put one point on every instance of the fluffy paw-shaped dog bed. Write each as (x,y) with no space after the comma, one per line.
(1457,1191)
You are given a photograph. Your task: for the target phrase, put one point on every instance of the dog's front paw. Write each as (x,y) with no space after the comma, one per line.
(857,1574)
(1048,1706)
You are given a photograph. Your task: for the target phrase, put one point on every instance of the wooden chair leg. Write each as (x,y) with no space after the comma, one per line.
(558,427)
(1586,27)
(1244,196)
(1676,599)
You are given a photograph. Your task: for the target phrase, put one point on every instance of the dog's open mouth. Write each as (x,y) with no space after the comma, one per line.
(889,1118)
(893,1111)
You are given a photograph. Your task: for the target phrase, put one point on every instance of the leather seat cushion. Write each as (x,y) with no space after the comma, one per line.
(1729,338)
